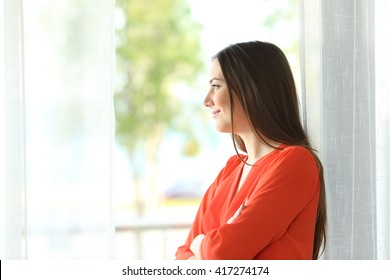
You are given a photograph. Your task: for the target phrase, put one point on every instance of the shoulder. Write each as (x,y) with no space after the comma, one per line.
(294,154)
(232,164)
(235,160)
(292,160)
(292,166)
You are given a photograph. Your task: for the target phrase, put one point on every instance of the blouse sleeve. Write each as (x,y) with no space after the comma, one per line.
(280,195)
(184,252)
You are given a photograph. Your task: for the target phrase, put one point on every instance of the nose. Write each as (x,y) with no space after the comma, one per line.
(208,101)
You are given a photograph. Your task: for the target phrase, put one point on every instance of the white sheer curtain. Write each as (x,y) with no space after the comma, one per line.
(56,129)
(56,124)
(346,95)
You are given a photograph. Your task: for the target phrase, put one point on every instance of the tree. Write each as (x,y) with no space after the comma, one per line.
(158,46)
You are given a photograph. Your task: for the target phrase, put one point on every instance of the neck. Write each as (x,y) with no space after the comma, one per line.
(255,147)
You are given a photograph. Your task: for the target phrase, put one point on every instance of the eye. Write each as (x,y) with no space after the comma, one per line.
(214,86)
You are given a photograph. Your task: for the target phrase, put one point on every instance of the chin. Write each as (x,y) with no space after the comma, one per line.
(224,129)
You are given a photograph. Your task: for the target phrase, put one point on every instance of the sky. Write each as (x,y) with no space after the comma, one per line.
(227,22)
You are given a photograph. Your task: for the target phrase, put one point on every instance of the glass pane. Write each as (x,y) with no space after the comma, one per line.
(165,160)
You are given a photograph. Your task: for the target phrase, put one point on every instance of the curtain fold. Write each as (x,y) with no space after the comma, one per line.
(382,96)
(348,126)
(58,129)
(339,62)
(13,189)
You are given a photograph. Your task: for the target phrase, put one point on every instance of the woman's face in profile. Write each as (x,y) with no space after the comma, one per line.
(218,101)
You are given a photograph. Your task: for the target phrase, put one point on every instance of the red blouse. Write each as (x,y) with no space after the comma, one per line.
(281,193)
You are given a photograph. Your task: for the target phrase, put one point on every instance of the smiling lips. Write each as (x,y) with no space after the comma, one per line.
(215,113)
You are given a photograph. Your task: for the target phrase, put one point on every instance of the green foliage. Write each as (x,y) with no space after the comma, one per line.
(158,46)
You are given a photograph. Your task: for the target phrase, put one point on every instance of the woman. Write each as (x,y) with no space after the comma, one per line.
(268,203)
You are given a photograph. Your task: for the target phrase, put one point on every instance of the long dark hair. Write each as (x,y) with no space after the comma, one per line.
(259,75)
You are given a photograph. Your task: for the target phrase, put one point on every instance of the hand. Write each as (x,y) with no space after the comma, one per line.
(195,245)
(238,212)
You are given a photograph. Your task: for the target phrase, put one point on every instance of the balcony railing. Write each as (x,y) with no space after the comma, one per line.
(144,238)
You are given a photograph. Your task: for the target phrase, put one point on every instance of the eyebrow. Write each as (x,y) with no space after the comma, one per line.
(214,79)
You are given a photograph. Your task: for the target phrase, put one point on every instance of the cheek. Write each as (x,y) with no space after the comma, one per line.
(241,122)
(222,99)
